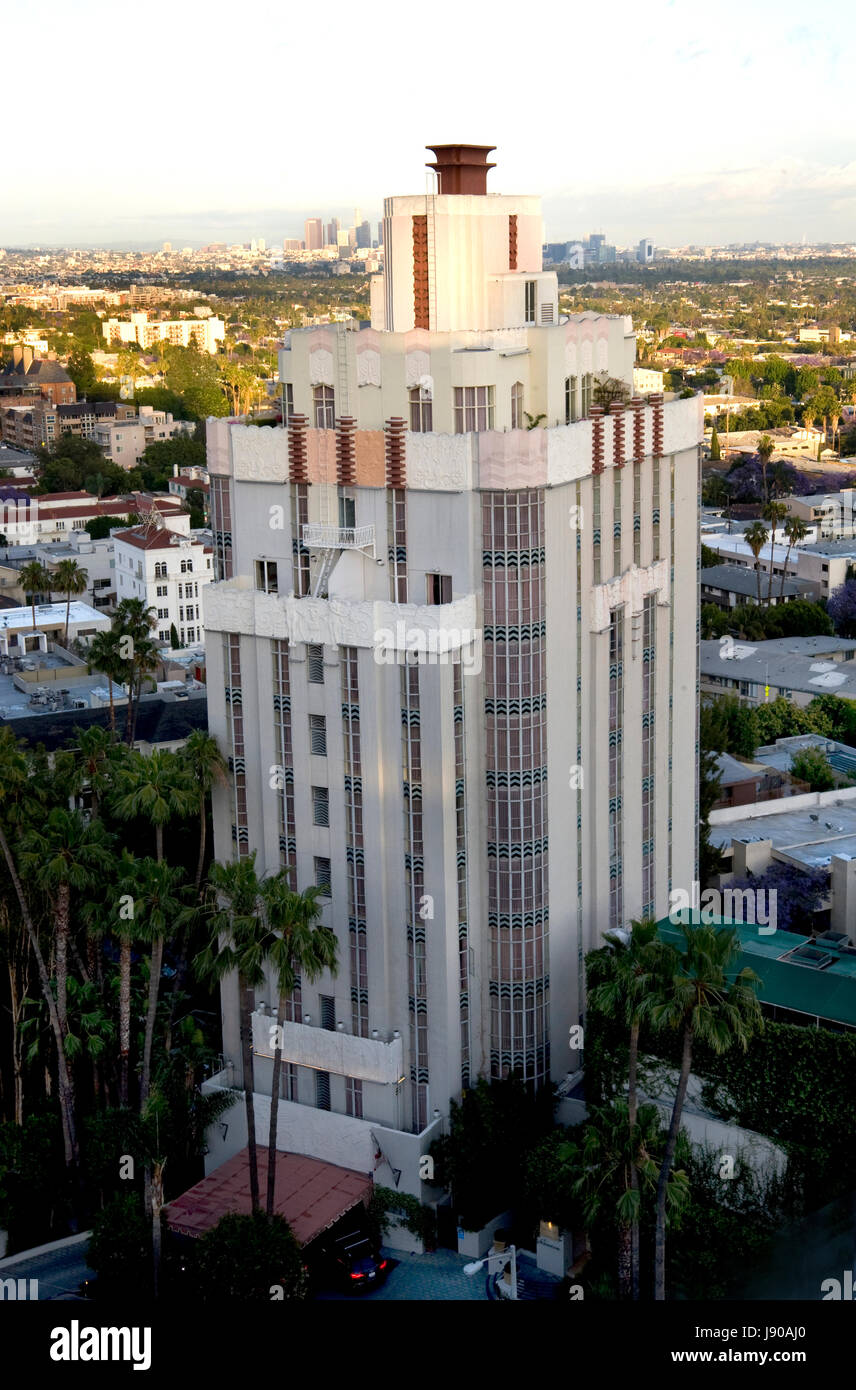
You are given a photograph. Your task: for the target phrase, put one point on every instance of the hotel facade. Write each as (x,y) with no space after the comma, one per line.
(452,658)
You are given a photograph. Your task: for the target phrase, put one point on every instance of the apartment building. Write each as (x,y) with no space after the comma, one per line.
(124,441)
(26,374)
(452,660)
(205,333)
(168,571)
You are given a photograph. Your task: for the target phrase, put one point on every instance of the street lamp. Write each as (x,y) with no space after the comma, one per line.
(475,1265)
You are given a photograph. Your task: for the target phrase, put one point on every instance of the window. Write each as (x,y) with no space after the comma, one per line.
(187,566)
(529,300)
(163,633)
(517,406)
(347,513)
(570,399)
(318,735)
(325,414)
(322,874)
(588,385)
(160,570)
(439,588)
(162,591)
(322,1090)
(320,806)
(473,408)
(315,664)
(266,576)
(287,402)
(163,613)
(421,410)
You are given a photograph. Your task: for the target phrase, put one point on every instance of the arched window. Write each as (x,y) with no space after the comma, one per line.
(517,416)
(421,410)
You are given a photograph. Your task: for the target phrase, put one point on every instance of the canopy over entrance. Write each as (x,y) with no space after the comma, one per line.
(310,1194)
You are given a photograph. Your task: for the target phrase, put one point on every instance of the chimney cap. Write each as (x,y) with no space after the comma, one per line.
(461,168)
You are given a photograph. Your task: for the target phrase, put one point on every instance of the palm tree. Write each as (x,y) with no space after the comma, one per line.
(297,948)
(135,623)
(702,1003)
(207,767)
(157,788)
(70,579)
(796,531)
(105,654)
(628,991)
(34,579)
(96,763)
(610,1154)
(14,775)
(756,537)
(236,937)
(765,453)
(158,901)
(774,512)
(68,854)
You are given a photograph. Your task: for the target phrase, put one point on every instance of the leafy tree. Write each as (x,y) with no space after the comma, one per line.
(81,369)
(841,607)
(799,893)
(812,766)
(709,557)
(246,1259)
(193,375)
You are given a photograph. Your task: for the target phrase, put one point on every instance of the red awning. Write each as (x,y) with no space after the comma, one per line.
(310,1194)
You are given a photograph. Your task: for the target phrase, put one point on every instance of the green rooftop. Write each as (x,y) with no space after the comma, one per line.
(816,978)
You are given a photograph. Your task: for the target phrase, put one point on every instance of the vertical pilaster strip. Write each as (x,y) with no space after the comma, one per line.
(637,405)
(656,402)
(421,313)
(616,410)
(298,469)
(512,241)
(346,461)
(596,417)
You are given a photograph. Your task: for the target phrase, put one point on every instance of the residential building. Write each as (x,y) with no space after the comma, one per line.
(796,668)
(31,426)
(646,380)
(125,441)
(29,375)
(81,417)
(52,516)
(452,660)
(834,513)
(168,572)
(93,556)
(19,639)
(204,333)
(822,564)
(729,586)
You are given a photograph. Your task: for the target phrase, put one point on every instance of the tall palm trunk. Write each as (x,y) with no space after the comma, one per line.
(112,706)
(200,862)
(274,1109)
(249,1004)
(157,1205)
(67,612)
(151,1015)
(124,1019)
(666,1167)
(785,571)
(62,919)
(625,1259)
(66,1087)
(758,577)
(632,1110)
(772,556)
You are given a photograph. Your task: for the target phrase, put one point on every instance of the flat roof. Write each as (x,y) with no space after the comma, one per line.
(827,992)
(309,1193)
(738,579)
(810,836)
(49,613)
(782,666)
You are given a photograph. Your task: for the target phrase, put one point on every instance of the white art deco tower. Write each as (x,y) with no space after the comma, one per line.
(452,658)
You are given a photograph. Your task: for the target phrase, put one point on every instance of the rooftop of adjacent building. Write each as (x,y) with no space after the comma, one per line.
(738,579)
(49,615)
(816,978)
(148,537)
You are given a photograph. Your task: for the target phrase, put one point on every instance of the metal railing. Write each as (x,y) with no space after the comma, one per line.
(338,537)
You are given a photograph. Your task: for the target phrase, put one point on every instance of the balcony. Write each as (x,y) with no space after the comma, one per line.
(319,537)
(344,1054)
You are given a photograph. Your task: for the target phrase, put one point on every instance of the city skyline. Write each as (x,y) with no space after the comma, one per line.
(662,107)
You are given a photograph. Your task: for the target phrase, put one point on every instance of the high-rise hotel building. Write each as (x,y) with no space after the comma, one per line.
(452,660)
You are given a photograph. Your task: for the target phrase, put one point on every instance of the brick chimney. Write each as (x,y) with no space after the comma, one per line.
(461,168)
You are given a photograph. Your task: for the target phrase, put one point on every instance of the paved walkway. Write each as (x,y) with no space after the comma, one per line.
(440,1278)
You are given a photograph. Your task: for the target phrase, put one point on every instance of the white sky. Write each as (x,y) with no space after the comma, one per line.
(675,119)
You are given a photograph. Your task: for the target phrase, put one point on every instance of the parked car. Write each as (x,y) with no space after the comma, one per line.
(350,1257)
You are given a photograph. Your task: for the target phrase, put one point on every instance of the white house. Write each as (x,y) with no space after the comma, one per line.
(168,571)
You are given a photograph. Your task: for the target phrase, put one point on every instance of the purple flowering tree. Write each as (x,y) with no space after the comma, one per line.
(799,893)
